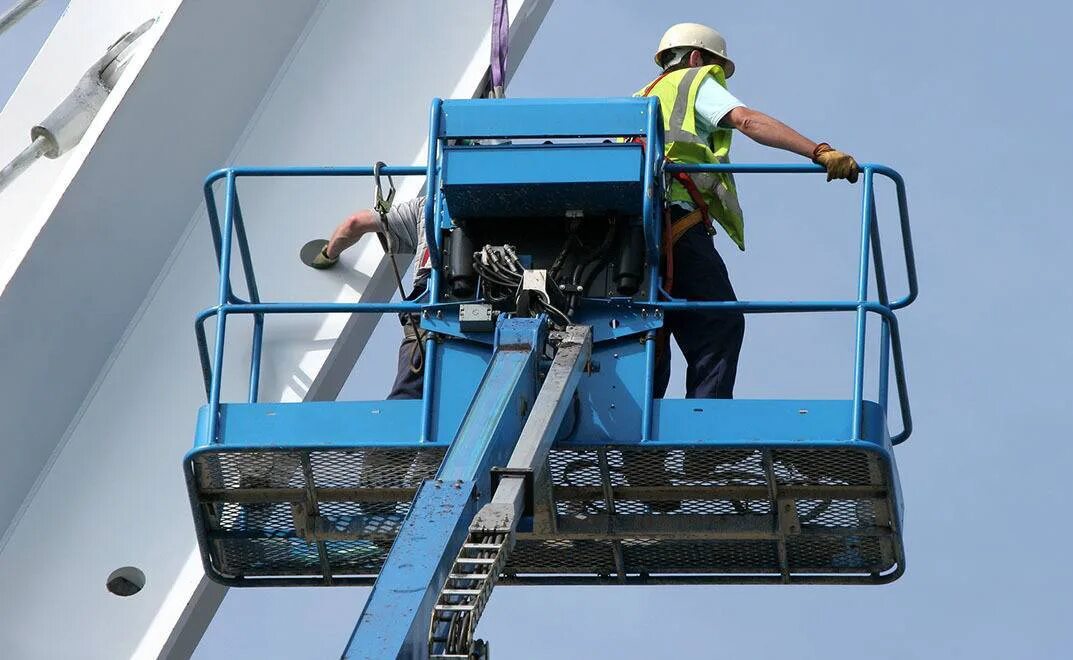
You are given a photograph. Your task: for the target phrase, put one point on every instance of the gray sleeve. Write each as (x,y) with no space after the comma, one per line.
(404,222)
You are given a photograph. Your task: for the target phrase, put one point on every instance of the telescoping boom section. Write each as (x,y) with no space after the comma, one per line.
(538,454)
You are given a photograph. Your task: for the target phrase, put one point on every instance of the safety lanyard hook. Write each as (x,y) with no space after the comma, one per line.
(383,204)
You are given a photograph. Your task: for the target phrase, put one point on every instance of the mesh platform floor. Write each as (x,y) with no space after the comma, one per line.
(697,515)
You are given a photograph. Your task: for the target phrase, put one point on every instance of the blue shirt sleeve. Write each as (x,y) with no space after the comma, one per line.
(713,103)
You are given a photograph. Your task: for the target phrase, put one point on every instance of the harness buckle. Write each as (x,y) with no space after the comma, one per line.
(382,204)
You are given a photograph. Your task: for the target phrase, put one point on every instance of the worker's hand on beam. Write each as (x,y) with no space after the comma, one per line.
(315,254)
(839,165)
(322,260)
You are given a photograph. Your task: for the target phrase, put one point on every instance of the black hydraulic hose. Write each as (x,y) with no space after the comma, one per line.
(580,282)
(601,251)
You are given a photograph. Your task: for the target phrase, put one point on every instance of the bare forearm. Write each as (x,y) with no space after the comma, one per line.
(350,230)
(770,132)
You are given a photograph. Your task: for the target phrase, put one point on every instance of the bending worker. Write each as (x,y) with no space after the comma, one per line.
(405,226)
(699,114)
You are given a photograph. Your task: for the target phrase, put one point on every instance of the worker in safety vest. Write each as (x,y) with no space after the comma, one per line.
(699,114)
(404,226)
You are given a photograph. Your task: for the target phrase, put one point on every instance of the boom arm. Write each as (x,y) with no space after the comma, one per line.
(432,555)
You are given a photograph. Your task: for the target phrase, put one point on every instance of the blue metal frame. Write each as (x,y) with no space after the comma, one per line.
(776,429)
(426,541)
(869,246)
(228,303)
(233,227)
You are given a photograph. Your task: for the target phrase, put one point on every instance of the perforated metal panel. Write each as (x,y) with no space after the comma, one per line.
(699,514)
(306,513)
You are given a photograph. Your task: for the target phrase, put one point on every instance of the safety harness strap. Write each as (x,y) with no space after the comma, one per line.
(382,206)
(677,118)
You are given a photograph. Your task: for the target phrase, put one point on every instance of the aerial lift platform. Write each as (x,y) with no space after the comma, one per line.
(538,454)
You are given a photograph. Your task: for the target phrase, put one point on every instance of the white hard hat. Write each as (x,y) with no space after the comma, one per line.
(695,35)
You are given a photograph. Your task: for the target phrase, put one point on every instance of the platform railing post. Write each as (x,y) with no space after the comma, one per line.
(254,296)
(213,213)
(255,356)
(432,185)
(884,299)
(244,250)
(867,210)
(428,433)
(223,298)
(653,231)
(432,232)
(650,387)
(428,381)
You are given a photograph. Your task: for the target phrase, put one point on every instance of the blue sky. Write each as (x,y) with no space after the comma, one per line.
(969,100)
(20,43)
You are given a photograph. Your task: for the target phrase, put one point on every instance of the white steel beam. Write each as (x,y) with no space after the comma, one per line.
(106,268)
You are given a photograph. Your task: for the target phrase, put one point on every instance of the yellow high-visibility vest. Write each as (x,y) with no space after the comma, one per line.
(677,94)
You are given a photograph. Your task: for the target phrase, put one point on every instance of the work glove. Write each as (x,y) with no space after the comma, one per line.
(314,254)
(839,165)
(322,260)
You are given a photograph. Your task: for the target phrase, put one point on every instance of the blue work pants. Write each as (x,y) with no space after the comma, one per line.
(710,341)
(410,376)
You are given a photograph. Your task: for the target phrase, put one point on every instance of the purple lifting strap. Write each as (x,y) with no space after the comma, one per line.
(500,47)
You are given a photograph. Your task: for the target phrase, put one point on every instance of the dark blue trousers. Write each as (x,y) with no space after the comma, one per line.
(410,376)
(409,381)
(710,342)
